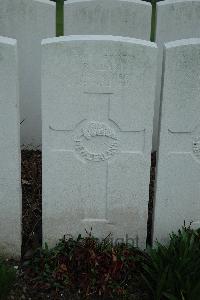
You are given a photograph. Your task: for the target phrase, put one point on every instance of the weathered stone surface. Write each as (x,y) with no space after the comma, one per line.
(28,21)
(10,189)
(130,18)
(176,19)
(97,103)
(178,188)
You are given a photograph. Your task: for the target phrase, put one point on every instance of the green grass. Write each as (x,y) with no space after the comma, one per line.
(172,272)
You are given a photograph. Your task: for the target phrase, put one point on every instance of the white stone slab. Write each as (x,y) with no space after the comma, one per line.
(29,21)
(176,19)
(178,177)
(115,17)
(10,186)
(98,94)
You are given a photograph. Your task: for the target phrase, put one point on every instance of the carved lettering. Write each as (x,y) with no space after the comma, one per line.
(96,129)
(196,147)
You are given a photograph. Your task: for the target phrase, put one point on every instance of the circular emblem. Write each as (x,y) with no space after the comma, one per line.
(96,141)
(196,147)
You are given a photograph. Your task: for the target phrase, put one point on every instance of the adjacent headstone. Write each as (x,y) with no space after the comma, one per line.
(29,21)
(97,101)
(176,19)
(130,18)
(10,189)
(178,186)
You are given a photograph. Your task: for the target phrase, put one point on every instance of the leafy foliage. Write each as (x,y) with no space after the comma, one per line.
(7,278)
(173,272)
(88,267)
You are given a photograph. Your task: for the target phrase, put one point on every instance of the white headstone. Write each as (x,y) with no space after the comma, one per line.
(115,17)
(29,21)
(97,99)
(176,19)
(178,186)
(10,189)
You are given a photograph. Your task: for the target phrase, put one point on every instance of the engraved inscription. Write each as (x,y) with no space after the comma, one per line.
(196,147)
(96,142)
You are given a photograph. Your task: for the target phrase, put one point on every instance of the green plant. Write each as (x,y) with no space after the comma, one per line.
(7,278)
(173,271)
(88,267)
